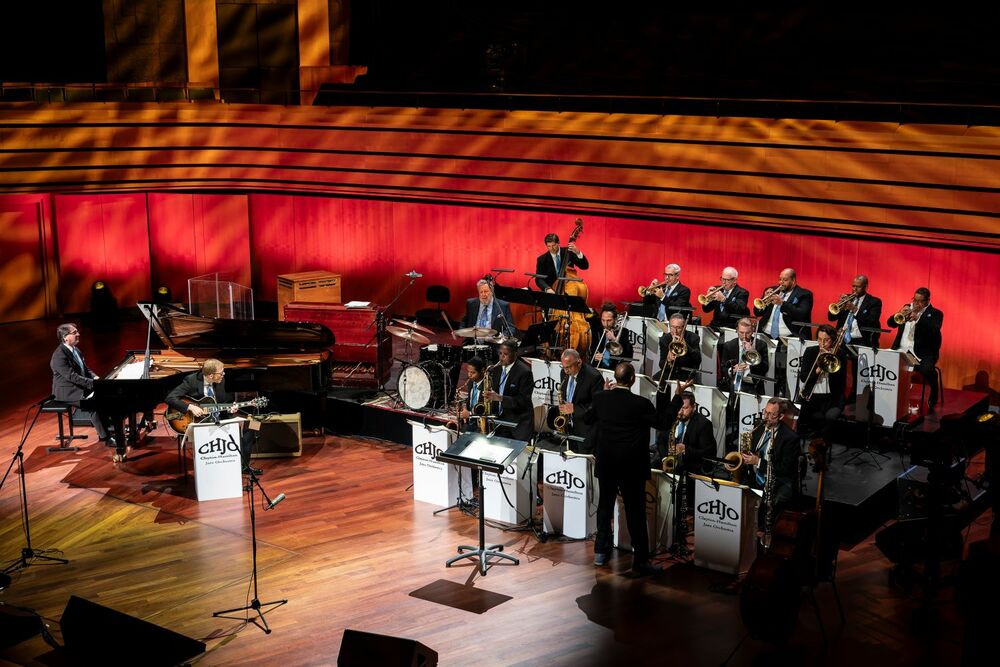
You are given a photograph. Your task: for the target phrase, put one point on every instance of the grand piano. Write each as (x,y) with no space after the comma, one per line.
(259,355)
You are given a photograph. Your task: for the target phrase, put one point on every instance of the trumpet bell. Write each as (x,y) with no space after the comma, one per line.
(642,290)
(758,303)
(899,318)
(703,299)
(834,309)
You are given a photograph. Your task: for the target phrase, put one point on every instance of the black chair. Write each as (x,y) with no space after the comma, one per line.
(438,294)
(59,409)
(937,379)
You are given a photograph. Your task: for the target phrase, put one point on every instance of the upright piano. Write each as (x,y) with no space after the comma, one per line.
(259,355)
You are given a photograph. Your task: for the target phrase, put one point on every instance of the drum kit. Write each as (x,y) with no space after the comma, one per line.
(427,384)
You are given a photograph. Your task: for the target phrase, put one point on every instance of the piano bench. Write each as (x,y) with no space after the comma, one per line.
(59,409)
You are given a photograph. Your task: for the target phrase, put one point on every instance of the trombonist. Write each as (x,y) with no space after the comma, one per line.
(778,308)
(918,325)
(683,366)
(735,361)
(613,344)
(825,382)
(727,301)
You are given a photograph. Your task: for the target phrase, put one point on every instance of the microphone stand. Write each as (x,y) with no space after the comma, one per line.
(256,605)
(28,553)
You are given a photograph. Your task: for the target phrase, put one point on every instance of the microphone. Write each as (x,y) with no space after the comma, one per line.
(44,400)
(413,275)
(502,270)
(277,499)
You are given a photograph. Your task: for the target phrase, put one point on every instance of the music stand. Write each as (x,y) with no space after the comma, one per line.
(492,454)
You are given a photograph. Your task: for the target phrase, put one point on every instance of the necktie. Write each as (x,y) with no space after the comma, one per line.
(738,380)
(661,313)
(209,391)
(503,384)
(570,388)
(680,431)
(79,359)
(484,312)
(775,319)
(606,359)
(555,260)
(849,324)
(765,442)
(725,297)
(474,396)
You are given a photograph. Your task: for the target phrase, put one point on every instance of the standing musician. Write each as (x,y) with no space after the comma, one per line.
(822,391)
(72,379)
(610,335)
(776,435)
(728,303)
(511,385)
(488,312)
(621,422)
(550,263)
(858,309)
(734,368)
(694,436)
(919,332)
(684,367)
(778,308)
(662,299)
(578,384)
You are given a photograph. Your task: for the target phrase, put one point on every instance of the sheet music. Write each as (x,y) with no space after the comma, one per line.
(485,451)
(130,371)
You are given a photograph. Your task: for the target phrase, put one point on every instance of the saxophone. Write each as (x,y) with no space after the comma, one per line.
(734,460)
(768,494)
(484,408)
(671,460)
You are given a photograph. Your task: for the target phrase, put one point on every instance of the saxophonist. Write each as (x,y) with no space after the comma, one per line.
(621,422)
(691,437)
(511,385)
(613,344)
(475,368)
(579,383)
(778,445)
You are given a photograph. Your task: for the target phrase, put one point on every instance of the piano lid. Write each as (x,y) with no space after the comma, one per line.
(179,330)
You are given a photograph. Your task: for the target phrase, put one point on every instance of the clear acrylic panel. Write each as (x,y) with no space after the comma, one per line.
(214,295)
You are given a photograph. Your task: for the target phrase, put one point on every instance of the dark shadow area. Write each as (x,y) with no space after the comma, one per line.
(466,598)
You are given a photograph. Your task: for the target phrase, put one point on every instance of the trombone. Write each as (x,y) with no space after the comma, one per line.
(903,313)
(827,362)
(703,299)
(835,308)
(614,347)
(678,348)
(761,302)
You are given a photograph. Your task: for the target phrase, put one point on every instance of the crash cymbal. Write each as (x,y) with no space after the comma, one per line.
(408,334)
(413,325)
(476,332)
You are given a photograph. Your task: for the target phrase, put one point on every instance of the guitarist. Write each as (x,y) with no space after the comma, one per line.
(209,382)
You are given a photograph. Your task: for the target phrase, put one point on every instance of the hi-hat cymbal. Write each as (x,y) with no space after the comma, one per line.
(476,332)
(412,325)
(408,334)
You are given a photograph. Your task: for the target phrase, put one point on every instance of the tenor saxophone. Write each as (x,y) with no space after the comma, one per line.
(670,461)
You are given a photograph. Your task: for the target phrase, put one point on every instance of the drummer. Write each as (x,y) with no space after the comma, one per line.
(488,312)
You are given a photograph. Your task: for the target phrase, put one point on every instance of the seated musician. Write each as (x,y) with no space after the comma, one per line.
(666,296)
(785,304)
(862,310)
(683,367)
(488,312)
(609,337)
(578,384)
(729,303)
(72,379)
(693,436)
(777,442)
(207,386)
(823,392)
(472,394)
(511,385)
(733,368)
(920,334)
(550,264)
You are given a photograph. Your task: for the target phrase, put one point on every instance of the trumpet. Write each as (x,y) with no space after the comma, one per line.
(903,313)
(761,302)
(648,289)
(835,308)
(703,299)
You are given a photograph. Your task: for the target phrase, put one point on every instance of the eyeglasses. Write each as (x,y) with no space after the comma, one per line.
(725,279)
(669,275)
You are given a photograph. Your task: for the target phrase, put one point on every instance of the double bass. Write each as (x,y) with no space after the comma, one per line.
(574,331)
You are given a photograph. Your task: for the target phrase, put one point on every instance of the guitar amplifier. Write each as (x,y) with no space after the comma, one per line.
(279,436)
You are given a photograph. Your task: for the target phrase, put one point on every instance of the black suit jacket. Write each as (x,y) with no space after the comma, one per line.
(797,308)
(926,336)
(729,356)
(545,266)
(600,343)
(869,315)
(785,458)
(193,386)
(728,312)
(691,361)
(516,400)
(698,441)
(70,381)
(681,296)
(589,383)
(500,307)
(838,380)
(621,422)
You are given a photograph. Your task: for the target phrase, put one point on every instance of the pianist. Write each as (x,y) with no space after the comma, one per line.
(209,382)
(71,379)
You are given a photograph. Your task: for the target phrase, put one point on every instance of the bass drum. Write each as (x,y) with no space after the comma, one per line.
(423,386)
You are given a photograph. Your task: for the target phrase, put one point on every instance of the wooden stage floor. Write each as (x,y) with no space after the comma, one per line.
(349,548)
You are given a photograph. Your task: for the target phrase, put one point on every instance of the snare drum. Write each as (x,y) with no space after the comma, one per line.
(423,386)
